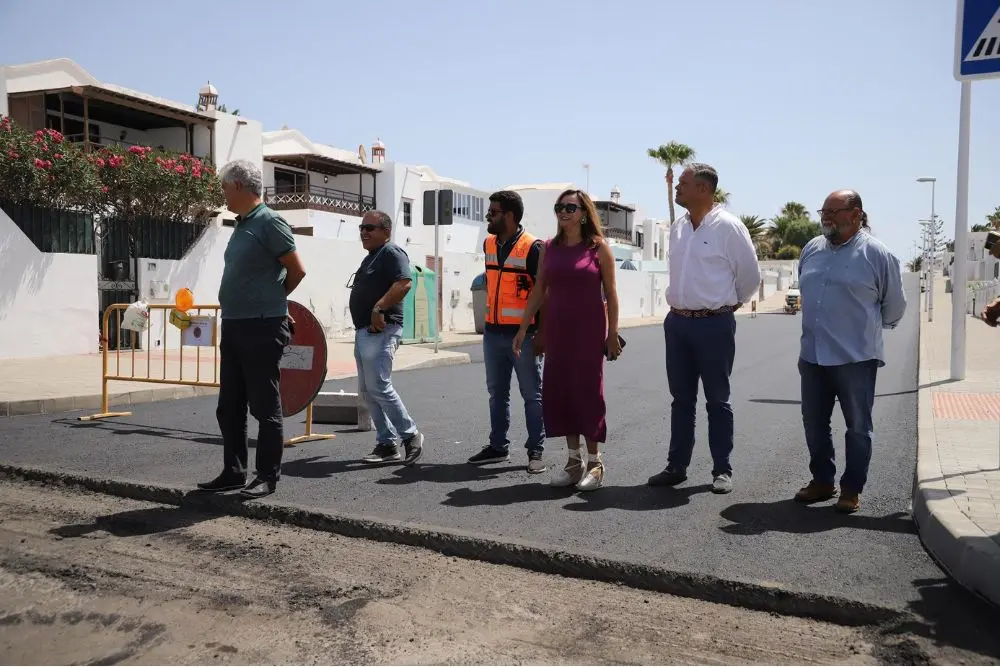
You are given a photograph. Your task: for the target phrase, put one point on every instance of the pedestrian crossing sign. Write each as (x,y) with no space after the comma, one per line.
(977,40)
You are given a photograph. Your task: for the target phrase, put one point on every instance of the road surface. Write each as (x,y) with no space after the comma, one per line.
(756,534)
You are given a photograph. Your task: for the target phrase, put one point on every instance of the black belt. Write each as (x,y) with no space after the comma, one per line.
(704,312)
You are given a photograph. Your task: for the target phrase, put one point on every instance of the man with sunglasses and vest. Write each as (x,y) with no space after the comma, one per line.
(511,266)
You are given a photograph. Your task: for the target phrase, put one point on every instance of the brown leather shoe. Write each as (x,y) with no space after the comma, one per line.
(849,501)
(815,492)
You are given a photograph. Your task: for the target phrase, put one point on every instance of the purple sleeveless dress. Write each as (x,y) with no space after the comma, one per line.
(575,324)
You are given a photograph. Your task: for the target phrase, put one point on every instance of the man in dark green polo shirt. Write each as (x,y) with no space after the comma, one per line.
(261,270)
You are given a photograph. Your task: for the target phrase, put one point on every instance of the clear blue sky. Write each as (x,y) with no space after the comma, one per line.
(789,99)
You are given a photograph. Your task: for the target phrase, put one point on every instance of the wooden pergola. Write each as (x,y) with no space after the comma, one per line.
(102,104)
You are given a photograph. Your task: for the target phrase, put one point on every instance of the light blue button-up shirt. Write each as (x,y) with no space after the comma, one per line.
(849,294)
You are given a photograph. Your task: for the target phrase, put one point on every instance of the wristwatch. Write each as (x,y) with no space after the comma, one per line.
(378,310)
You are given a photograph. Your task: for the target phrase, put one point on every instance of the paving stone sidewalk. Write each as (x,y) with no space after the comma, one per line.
(47,385)
(957,495)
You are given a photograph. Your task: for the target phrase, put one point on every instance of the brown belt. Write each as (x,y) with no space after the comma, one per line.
(705,312)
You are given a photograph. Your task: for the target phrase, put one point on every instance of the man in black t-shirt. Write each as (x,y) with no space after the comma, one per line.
(377,291)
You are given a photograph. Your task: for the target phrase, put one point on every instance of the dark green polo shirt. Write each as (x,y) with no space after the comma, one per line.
(253,280)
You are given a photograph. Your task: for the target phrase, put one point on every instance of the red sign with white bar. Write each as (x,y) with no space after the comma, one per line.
(303,365)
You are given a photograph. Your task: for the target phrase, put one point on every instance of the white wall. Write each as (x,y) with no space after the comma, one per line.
(4,111)
(539,218)
(48,301)
(329,264)
(236,138)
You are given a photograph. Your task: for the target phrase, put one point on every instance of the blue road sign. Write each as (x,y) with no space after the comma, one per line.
(977,40)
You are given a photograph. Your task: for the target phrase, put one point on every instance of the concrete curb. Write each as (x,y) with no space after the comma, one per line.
(47,406)
(959,546)
(533,557)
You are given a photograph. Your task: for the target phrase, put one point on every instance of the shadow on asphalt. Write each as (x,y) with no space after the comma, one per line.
(789,401)
(788,516)
(447,473)
(118,427)
(639,498)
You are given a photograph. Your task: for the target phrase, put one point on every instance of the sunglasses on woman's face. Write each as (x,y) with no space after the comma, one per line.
(569,208)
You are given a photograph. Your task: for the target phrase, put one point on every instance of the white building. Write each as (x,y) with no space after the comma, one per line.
(51,299)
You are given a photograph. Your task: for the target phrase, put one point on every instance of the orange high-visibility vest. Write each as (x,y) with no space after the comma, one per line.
(508,286)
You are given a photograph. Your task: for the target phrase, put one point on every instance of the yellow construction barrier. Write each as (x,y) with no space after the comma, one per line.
(132,370)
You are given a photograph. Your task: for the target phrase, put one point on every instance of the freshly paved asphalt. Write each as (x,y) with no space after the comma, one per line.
(756,534)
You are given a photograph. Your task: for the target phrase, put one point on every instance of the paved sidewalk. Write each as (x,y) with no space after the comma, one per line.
(46,385)
(957,500)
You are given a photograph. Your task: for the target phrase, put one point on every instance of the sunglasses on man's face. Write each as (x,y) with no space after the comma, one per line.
(369,228)
(569,208)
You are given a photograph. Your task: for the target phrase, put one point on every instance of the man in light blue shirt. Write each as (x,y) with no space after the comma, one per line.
(851,289)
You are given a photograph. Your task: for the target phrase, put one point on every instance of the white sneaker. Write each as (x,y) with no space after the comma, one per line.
(722,483)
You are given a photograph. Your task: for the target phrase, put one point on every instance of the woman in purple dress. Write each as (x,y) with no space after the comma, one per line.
(576,270)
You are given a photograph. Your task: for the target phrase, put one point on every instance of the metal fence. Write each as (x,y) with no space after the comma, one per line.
(981,293)
(138,365)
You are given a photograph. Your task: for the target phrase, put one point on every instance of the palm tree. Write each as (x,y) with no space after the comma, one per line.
(756,225)
(794,210)
(721,197)
(671,155)
(993,219)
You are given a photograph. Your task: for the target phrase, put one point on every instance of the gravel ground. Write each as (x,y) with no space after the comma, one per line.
(93,579)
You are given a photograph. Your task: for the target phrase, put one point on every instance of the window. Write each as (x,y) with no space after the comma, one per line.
(407,211)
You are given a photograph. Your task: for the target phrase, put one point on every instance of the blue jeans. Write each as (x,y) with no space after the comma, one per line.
(498,357)
(374,353)
(854,386)
(700,348)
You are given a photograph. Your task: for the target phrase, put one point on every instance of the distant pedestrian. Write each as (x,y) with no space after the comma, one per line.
(713,271)
(753,308)
(261,269)
(511,266)
(378,288)
(580,331)
(851,289)
(991,313)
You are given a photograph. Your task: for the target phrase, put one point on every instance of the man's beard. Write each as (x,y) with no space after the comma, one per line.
(494,228)
(832,233)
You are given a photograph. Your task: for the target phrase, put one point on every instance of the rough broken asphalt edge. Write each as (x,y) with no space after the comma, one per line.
(529,556)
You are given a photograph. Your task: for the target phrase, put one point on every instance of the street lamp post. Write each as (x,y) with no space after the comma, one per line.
(932,226)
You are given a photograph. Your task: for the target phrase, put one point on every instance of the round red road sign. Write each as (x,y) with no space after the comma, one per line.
(303,365)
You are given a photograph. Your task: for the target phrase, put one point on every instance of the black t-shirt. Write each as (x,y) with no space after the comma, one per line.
(531,262)
(378,271)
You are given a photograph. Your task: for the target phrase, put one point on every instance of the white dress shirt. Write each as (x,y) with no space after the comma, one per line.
(712,266)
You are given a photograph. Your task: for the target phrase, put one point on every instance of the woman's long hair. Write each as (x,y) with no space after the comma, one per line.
(590,228)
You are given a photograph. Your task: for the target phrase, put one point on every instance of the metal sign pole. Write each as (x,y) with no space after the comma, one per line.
(439,288)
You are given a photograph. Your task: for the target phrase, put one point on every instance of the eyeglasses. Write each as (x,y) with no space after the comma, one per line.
(569,208)
(369,228)
(829,213)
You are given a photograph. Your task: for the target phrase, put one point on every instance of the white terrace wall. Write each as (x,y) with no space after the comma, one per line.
(329,264)
(48,301)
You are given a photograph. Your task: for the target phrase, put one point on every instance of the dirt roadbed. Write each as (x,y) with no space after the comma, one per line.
(93,579)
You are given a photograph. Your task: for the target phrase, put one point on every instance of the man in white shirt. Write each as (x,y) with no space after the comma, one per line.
(713,271)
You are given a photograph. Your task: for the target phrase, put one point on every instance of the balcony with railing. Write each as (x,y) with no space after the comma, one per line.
(620,235)
(317,198)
